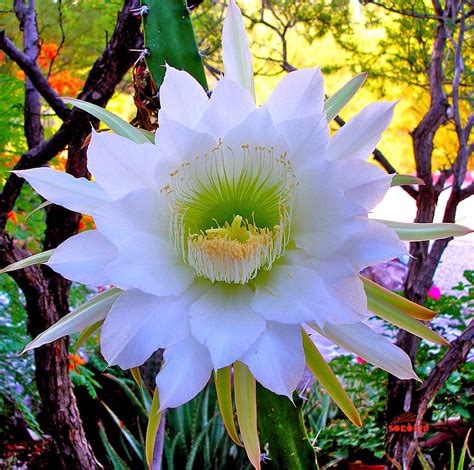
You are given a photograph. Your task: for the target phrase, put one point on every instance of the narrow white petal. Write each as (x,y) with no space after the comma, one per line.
(358,137)
(299,94)
(367,184)
(139,324)
(120,165)
(75,194)
(376,349)
(223,321)
(186,370)
(229,105)
(182,98)
(276,359)
(374,244)
(84,257)
(236,55)
(150,264)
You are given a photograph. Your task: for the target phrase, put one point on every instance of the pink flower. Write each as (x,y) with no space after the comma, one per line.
(360,360)
(434,293)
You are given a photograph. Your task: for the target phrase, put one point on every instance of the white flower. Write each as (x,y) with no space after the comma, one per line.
(241,224)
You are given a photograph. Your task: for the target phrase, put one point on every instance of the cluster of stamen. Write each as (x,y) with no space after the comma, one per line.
(230,214)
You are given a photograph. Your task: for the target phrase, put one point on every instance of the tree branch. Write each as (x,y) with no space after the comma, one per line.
(33,72)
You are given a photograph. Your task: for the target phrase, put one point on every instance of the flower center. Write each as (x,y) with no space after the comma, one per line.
(231,211)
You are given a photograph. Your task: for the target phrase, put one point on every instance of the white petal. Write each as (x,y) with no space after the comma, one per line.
(257,130)
(179,144)
(84,257)
(323,218)
(379,351)
(236,55)
(75,194)
(358,137)
(150,264)
(141,210)
(276,359)
(186,370)
(223,321)
(120,165)
(363,183)
(343,284)
(139,324)
(374,244)
(290,294)
(229,105)
(299,94)
(182,98)
(308,138)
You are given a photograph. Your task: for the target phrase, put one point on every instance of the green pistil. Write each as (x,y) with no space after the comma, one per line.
(234,231)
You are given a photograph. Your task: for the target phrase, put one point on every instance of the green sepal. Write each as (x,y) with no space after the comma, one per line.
(85,335)
(418,232)
(336,102)
(223,383)
(328,380)
(38,258)
(399,318)
(115,123)
(246,405)
(152,428)
(401,180)
(377,293)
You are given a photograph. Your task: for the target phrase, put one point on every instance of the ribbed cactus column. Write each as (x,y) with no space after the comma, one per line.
(170,39)
(282,432)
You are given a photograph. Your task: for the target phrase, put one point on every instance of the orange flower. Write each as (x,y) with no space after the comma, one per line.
(12,216)
(75,360)
(64,83)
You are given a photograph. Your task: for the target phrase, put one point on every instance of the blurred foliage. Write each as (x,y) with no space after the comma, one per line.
(18,395)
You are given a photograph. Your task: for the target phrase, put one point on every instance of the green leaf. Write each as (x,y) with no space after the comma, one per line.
(418,232)
(464,450)
(246,405)
(132,442)
(169,39)
(90,312)
(86,334)
(152,428)
(391,300)
(38,258)
(336,102)
(282,432)
(400,180)
(326,377)
(224,397)
(399,318)
(114,122)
